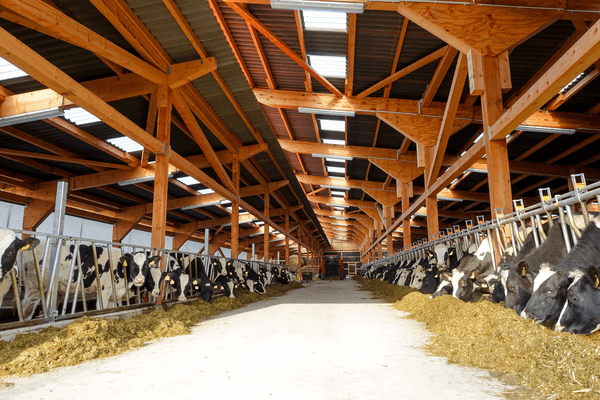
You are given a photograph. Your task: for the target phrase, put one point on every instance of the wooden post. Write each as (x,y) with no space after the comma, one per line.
(266,226)
(496,150)
(406,223)
(299,272)
(161,180)
(433,226)
(287,239)
(389,216)
(380,244)
(235,207)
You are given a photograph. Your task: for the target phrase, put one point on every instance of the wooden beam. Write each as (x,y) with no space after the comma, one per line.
(438,75)
(68,160)
(188,71)
(579,57)
(563,97)
(235,208)
(458,82)
(267,207)
(75,33)
(283,47)
(403,72)
(351,54)
(488,30)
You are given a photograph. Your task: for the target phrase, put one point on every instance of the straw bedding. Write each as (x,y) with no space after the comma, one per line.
(91,338)
(548,364)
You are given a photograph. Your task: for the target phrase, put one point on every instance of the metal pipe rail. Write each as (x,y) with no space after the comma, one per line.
(581,194)
(42,268)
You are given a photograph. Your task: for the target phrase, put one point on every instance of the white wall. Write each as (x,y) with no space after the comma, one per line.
(11,215)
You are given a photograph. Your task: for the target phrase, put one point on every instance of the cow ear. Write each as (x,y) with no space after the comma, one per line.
(126,259)
(592,274)
(153,260)
(29,243)
(446,276)
(451,251)
(522,268)
(530,276)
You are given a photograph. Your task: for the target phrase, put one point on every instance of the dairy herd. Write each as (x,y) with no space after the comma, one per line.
(47,278)
(548,269)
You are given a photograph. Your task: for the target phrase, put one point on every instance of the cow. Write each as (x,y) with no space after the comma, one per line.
(179,282)
(581,312)
(517,277)
(267,275)
(235,271)
(200,282)
(222,279)
(135,265)
(252,279)
(10,245)
(550,286)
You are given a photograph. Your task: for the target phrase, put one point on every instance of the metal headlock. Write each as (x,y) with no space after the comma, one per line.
(580,195)
(46,267)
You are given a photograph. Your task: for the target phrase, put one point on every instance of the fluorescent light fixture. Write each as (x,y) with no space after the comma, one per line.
(477,171)
(337,205)
(463,153)
(322,111)
(335,187)
(333,223)
(336,170)
(541,129)
(334,141)
(333,158)
(449,199)
(213,203)
(342,218)
(188,180)
(478,138)
(205,191)
(243,213)
(275,233)
(336,193)
(31,116)
(336,125)
(357,8)
(135,181)
(260,222)
(9,71)
(225,202)
(79,116)
(339,229)
(126,144)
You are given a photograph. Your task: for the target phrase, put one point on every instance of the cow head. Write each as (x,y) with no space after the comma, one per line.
(548,296)
(155,278)
(581,313)
(10,245)
(137,266)
(218,266)
(518,285)
(462,283)
(205,287)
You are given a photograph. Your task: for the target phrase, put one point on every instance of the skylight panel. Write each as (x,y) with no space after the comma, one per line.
(188,180)
(336,170)
(334,141)
(9,71)
(206,191)
(329,66)
(126,144)
(335,125)
(338,160)
(79,116)
(336,193)
(325,20)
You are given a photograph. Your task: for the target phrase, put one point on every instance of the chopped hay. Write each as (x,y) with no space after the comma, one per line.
(92,338)
(552,365)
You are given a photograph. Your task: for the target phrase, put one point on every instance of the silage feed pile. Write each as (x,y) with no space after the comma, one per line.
(549,364)
(91,338)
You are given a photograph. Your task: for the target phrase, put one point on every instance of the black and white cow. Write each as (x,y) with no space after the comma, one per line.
(136,266)
(222,280)
(252,279)
(518,277)
(581,313)
(10,245)
(551,284)
(267,275)
(200,281)
(478,267)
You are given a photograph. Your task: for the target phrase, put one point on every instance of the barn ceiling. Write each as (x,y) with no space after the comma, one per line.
(242,75)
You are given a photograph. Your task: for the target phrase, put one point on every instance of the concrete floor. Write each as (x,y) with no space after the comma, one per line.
(327,341)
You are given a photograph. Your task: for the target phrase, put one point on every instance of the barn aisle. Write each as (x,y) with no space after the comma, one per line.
(327,341)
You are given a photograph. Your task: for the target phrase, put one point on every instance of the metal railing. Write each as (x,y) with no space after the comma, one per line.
(520,222)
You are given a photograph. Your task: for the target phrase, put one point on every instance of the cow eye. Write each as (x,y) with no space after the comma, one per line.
(551,292)
(463,283)
(573,299)
(511,288)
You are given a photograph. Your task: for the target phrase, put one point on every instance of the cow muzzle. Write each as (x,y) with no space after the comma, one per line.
(156,293)
(139,281)
(559,328)
(182,298)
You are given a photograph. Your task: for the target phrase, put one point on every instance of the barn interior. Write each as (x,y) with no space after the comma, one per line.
(267,130)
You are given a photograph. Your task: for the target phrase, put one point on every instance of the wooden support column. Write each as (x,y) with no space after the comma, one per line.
(379,230)
(405,205)
(299,271)
(497,155)
(388,213)
(287,239)
(433,225)
(266,225)
(235,207)
(161,180)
